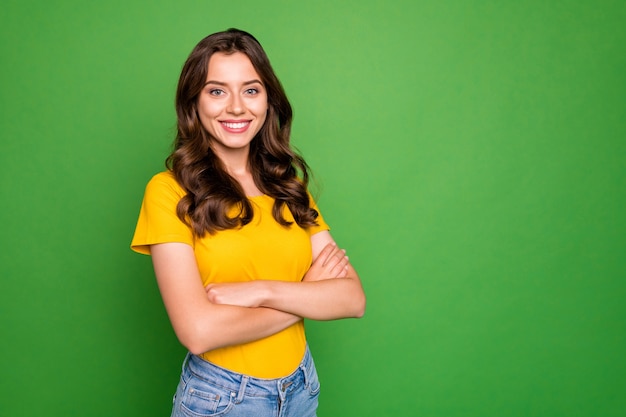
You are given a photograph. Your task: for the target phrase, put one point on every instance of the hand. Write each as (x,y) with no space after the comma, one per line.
(242,294)
(332,262)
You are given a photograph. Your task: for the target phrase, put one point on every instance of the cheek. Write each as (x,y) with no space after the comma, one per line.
(260,110)
(207,114)
(258,105)
(204,120)
(208,109)
(263,114)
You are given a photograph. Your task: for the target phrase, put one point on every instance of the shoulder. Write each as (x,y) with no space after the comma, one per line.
(164,177)
(164,182)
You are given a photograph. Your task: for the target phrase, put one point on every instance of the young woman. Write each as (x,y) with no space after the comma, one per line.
(240,251)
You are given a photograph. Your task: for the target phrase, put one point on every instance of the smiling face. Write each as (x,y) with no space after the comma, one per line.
(232,105)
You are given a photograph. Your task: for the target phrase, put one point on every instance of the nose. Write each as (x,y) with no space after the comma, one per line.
(235,105)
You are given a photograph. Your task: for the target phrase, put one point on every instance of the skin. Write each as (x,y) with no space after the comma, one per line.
(233,94)
(232,108)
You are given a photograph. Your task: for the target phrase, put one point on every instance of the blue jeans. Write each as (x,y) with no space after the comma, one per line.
(208,390)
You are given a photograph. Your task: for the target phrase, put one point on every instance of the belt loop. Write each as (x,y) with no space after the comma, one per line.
(281,392)
(242,388)
(304,368)
(305,374)
(186,361)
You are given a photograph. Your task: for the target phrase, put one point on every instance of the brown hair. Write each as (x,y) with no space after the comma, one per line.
(277,169)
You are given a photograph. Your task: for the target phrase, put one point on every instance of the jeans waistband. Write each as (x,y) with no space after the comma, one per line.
(241,384)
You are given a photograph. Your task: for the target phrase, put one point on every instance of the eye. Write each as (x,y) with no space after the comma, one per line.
(216,92)
(251,91)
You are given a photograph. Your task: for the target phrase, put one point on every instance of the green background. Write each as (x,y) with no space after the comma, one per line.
(471,156)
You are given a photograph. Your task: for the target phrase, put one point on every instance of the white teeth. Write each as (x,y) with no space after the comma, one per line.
(238,125)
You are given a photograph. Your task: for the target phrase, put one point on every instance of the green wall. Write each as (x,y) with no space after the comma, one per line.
(471,157)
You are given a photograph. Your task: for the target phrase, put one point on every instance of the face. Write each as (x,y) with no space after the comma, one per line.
(232,106)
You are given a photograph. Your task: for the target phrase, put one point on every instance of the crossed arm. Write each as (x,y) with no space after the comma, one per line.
(226,314)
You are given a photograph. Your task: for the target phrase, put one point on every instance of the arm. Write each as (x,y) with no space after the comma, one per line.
(337,295)
(199,324)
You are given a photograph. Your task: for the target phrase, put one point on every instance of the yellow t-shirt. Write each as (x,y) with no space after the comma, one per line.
(262,249)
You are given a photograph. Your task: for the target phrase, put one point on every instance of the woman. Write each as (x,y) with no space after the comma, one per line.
(240,251)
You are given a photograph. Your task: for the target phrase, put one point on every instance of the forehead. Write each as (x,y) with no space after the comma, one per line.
(235,67)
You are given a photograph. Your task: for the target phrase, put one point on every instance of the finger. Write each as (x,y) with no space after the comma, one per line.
(341,253)
(340,267)
(323,255)
(333,252)
(343,273)
(334,259)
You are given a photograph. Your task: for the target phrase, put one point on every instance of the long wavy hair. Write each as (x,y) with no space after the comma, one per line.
(277,169)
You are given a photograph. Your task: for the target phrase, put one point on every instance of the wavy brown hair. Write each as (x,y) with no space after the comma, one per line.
(277,169)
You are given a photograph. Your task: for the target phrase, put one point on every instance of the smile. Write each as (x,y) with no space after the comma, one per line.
(235,125)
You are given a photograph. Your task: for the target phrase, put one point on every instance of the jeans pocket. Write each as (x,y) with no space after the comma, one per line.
(201,399)
(312,380)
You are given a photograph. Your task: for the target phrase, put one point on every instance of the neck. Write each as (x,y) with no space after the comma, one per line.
(236,163)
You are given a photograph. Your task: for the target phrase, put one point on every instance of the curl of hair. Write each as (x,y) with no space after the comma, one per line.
(277,169)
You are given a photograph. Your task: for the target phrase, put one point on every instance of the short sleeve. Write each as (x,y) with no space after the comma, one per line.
(158,222)
(321,223)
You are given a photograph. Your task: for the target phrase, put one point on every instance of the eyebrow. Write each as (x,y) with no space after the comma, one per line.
(225,84)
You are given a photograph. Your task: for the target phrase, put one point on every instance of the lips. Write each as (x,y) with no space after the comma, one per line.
(235,126)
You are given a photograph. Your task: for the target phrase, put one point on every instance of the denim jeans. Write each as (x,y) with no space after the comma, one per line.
(208,390)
